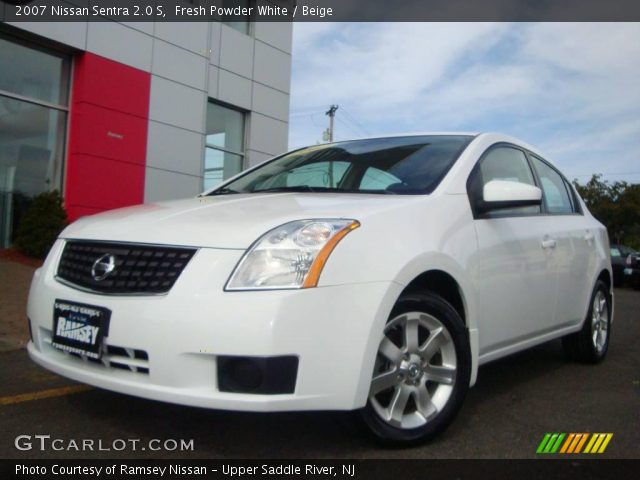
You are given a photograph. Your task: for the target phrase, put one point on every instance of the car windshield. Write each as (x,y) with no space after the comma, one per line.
(398,165)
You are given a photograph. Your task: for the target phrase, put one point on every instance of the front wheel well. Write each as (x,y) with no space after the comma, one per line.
(440,283)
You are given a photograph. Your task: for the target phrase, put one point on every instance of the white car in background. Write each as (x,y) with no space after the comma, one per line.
(373,275)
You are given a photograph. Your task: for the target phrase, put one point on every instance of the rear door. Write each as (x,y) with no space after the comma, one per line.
(575,248)
(514,272)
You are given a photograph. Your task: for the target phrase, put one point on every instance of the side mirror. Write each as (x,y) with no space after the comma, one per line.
(499,194)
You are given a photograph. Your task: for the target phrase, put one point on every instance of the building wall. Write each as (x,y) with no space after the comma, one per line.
(186,64)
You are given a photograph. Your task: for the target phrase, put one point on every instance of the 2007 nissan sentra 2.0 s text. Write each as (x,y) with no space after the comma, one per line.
(369,275)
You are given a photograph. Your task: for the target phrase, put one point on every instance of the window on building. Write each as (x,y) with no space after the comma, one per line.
(241,25)
(224,152)
(33,115)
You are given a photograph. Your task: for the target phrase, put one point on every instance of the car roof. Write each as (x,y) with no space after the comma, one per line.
(407,134)
(494,137)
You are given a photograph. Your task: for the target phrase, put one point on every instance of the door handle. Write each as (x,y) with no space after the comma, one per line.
(548,243)
(588,237)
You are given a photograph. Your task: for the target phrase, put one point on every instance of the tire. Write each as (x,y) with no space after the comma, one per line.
(590,345)
(421,373)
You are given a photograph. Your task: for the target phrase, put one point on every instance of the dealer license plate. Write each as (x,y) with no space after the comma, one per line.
(80,328)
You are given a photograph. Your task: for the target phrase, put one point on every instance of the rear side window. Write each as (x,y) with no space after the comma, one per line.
(556,196)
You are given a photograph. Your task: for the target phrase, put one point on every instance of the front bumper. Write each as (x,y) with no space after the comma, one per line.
(166,347)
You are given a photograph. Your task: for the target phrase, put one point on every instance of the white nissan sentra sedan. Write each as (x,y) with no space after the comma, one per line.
(372,275)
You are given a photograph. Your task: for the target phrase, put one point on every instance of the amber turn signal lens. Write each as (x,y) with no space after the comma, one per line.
(316,268)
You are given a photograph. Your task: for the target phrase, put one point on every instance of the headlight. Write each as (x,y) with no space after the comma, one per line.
(289,256)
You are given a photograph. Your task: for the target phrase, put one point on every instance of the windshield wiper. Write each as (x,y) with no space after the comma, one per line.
(224,191)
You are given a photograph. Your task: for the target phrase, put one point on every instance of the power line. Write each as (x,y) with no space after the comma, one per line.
(353,127)
(313,119)
(354,121)
(350,127)
(306,112)
(312,107)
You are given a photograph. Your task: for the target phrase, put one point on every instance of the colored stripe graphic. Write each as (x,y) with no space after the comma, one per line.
(583,439)
(591,442)
(598,442)
(573,443)
(543,443)
(550,443)
(605,442)
(567,443)
(556,445)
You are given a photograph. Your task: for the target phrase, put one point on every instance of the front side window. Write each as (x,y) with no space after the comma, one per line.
(505,163)
(224,152)
(401,165)
(556,196)
(33,119)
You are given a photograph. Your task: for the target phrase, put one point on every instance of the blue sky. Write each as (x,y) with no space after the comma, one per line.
(573,90)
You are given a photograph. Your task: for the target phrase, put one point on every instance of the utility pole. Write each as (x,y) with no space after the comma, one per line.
(331,113)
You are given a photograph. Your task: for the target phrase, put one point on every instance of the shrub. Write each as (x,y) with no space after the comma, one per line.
(42,222)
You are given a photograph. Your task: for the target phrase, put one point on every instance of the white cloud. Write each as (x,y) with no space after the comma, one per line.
(572,89)
(379,65)
(598,49)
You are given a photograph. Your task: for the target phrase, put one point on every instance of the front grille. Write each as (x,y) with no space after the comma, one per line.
(139,269)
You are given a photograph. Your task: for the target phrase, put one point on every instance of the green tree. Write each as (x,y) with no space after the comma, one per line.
(42,222)
(616,205)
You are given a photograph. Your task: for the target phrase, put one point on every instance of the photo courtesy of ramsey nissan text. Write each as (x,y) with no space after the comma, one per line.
(267,238)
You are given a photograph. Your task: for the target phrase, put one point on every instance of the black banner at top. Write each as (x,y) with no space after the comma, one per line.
(319,10)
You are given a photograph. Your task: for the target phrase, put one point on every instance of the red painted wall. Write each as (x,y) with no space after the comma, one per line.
(107,146)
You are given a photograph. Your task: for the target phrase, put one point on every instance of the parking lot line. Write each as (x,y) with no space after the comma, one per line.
(53,392)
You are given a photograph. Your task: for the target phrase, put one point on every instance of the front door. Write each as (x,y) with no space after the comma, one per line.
(515,269)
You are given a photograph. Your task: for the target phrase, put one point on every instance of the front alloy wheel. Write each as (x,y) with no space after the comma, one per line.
(421,372)
(415,370)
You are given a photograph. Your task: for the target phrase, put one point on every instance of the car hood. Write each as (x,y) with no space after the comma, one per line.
(225,221)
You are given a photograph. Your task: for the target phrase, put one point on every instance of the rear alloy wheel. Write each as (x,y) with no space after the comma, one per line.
(590,344)
(421,372)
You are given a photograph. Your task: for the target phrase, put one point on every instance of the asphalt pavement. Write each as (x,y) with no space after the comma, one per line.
(514,403)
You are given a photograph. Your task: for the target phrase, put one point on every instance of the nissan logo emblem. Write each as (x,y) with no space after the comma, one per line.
(103,267)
